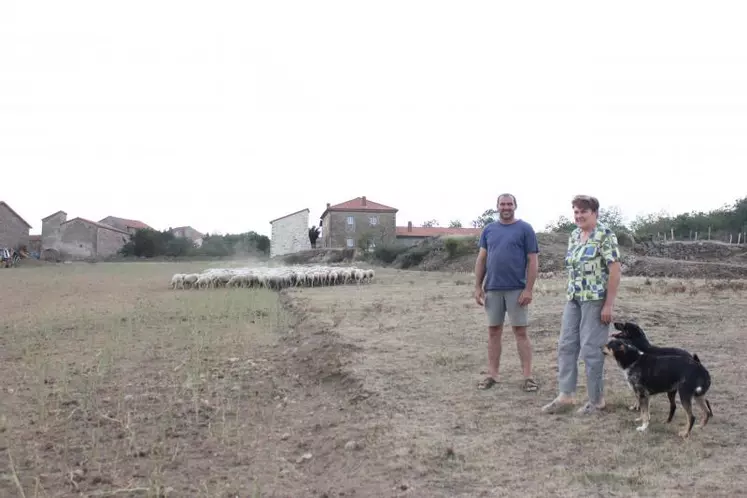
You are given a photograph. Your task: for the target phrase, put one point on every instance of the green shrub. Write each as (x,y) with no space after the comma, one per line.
(389,252)
(460,245)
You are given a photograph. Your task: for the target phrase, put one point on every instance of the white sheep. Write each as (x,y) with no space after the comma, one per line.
(275,278)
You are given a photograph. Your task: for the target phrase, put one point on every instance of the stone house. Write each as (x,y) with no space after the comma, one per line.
(290,233)
(79,238)
(14,230)
(411,235)
(129,226)
(357,221)
(189,233)
(360,221)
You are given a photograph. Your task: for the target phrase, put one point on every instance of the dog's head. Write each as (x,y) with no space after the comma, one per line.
(629,331)
(621,350)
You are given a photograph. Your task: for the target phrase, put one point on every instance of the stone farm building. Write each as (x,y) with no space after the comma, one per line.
(80,238)
(290,233)
(14,230)
(189,233)
(362,221)
(129,226)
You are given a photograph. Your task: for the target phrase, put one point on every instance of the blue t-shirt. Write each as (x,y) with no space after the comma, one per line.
(507,246)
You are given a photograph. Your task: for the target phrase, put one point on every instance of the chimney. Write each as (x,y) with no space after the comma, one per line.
(363,202)
(409,226)
(328,205)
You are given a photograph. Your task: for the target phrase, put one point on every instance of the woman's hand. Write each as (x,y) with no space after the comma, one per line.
(607,313)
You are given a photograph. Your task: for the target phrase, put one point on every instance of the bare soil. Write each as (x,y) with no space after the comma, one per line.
(114,385)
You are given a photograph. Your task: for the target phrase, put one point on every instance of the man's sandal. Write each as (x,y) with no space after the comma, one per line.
(486,383)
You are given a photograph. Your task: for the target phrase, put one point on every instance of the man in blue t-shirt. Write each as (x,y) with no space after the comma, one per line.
(507,265)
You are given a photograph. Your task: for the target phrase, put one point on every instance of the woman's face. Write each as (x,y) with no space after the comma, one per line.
(585,218)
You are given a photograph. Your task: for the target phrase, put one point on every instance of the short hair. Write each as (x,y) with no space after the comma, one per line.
(512,196)
(586,202)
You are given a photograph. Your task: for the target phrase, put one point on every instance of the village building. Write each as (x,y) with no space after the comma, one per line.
(79,238)
(360,223)
(290,233)
(190,233)
(14,230)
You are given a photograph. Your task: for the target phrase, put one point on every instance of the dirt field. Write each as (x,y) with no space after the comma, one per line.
(114,385)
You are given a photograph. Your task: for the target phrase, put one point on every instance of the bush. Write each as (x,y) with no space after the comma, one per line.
(413,257)
(149,243)
(458,246)
(388,253)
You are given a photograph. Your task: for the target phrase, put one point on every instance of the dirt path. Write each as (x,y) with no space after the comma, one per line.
(416,342)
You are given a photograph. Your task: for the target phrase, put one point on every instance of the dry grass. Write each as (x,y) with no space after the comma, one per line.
(114,385)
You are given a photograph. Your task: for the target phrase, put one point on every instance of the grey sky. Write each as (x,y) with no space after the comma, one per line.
(225,115)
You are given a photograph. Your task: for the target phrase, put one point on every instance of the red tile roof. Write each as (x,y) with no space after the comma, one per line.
(359,204)
(436,231)
(3,203)
(97,224)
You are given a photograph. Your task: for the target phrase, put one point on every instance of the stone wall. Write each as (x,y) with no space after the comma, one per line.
(337,230)
(290,234)
(690,251)
(13,231)
(109,242)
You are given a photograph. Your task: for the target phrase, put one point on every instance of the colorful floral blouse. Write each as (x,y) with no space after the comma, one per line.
(588,263)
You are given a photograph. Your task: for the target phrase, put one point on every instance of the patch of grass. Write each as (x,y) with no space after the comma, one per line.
(114,382)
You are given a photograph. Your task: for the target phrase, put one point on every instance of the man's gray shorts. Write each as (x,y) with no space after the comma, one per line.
(500,303)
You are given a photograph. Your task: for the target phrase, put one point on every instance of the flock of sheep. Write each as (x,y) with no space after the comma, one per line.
(272,278)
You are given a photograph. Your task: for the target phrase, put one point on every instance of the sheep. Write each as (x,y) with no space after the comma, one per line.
(177,281)
(274,278)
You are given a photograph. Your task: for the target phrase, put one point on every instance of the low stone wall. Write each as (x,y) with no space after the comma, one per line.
(692,251)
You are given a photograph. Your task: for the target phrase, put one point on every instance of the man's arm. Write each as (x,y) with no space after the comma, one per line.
(482,257)
(532,270)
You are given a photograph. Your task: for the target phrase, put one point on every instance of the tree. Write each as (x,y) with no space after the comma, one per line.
(455,224)
(485,218)
(561,225)
(429,223)
(313,235)
(613,218)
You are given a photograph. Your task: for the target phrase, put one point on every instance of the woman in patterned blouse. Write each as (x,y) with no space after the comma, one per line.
(593,264)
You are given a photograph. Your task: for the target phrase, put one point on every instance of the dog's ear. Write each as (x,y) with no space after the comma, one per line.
(619,326)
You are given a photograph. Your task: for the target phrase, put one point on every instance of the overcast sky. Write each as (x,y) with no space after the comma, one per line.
(225,115)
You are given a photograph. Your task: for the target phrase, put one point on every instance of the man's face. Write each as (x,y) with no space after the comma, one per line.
(506,207)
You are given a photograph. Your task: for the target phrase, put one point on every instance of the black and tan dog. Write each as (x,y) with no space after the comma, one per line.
(633,334)
(650,374)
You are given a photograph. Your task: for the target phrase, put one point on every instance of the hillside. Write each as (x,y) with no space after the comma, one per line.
(701,259)
(654,259)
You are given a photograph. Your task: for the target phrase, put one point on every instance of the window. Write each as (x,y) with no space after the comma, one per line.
(350,225)
(351,220)
(374,220)
(351,243)
(371,245)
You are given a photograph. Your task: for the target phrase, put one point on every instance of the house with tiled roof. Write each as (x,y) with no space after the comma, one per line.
(360,219)
(130,226)
(349,223)
(190,233)
(411,235)
(14,230)
(79,238)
